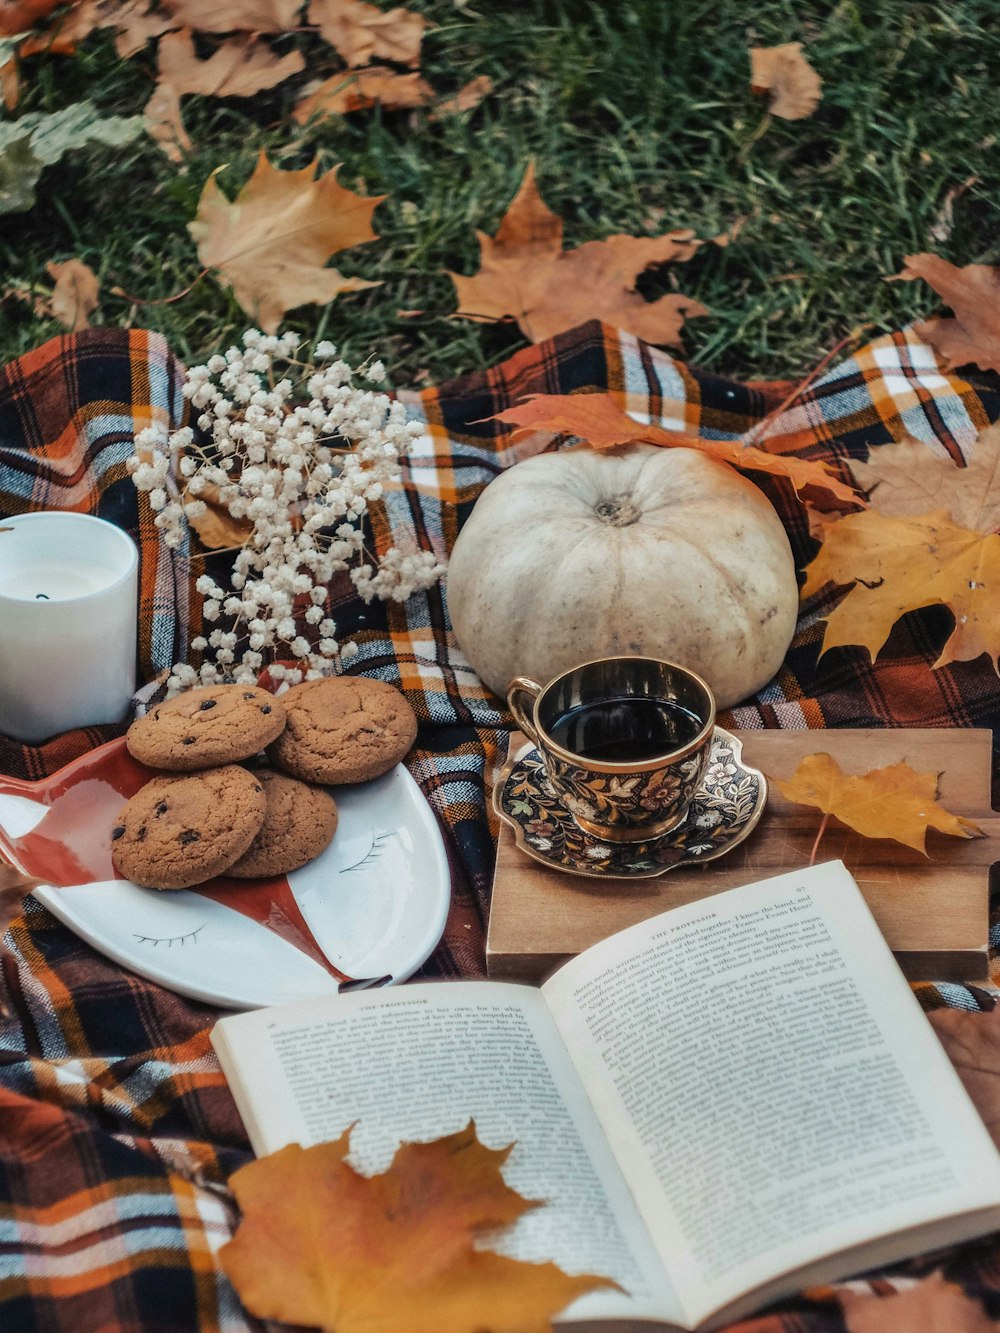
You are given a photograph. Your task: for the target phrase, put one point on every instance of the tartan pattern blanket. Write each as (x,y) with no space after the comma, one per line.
(117,1132)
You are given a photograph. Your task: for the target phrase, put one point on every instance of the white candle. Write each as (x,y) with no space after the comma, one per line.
(68,623)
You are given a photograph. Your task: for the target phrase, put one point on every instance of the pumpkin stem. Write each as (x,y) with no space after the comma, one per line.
(618,513)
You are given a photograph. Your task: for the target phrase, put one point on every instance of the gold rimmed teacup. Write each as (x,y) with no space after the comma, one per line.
(625,742)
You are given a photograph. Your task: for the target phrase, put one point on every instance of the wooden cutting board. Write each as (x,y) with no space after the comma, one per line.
(932,910)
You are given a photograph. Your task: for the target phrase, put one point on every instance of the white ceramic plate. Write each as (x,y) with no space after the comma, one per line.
(373,904)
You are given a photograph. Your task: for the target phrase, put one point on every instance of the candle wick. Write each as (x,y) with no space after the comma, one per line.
(41,597)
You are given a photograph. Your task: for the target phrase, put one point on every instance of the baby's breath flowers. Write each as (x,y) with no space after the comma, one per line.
(294,453)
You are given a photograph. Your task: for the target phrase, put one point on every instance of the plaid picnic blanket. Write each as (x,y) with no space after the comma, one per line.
(117,1132)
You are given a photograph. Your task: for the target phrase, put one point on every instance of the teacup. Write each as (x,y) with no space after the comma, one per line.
(625,742)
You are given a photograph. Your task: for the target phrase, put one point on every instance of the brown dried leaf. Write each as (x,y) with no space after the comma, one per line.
(785,73)
(319,1244)
(908,478)
(216,528)
(466,99)
(165,123)
(240,67)
(973,1045)
(931,1306)
(357,90)
(895,802)
(271,243)
(972,337)
(75,294)
(525,273)
(236,15)
(10,84)
(17,16)
(362,33)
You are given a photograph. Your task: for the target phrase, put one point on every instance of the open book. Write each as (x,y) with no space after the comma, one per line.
(723,1104)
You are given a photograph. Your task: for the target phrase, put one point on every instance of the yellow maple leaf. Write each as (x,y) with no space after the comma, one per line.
(322,1245)
(355,90)
(899,556)
(526,274)
(895,802)
(271,243)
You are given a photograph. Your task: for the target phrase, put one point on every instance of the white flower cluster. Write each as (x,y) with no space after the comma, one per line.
(295,460)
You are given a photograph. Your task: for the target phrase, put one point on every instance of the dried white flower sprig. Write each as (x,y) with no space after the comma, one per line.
(294,452)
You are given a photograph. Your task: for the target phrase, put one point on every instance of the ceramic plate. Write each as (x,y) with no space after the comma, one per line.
(725,809)
(373,904)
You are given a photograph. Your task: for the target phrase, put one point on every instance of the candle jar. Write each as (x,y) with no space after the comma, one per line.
(68,623)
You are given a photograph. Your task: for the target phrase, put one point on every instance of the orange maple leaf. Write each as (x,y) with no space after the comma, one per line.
(271,243)
(895,802)
(785,73)
(597,418)
(526,274)
(320,1244)
(899,555)
(972,337)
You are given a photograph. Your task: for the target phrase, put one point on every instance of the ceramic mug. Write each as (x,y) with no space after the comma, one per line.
(625,742)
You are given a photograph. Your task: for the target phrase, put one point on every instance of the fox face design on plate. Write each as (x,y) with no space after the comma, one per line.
(372,904)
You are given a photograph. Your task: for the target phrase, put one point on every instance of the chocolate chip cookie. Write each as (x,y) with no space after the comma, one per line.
(300,821)
(343,729)
(217,724)
(183,829)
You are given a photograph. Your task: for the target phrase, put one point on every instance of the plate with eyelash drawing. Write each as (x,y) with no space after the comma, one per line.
(371,907)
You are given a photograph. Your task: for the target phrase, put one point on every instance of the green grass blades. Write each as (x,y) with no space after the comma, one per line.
(639,118)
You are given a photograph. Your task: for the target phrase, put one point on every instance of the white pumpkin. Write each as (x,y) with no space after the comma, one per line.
(658,552)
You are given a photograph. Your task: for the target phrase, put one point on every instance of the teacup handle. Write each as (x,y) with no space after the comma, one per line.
(521,695)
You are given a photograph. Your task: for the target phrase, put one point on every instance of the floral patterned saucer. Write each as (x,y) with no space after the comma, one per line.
(725,809)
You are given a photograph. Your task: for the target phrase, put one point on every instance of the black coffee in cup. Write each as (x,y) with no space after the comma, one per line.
(626,729)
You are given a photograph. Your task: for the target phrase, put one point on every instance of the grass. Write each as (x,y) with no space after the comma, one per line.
(639,119)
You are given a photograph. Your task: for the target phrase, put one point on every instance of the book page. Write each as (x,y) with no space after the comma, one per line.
(420,1062)
(769,1083)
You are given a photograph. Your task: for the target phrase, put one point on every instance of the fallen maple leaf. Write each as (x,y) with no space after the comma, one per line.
(270,244)
(972,337)
(785,73)
(525,273)
(972,1042)
(319,1244)
(597,418)
(909,478)
(932,1305)
(239,67)
(236,15)
(467,97)
(895,802)
(899,560)
(75,294)
(362,33)
(359,89)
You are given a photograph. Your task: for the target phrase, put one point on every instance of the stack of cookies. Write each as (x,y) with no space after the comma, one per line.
(207,815)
